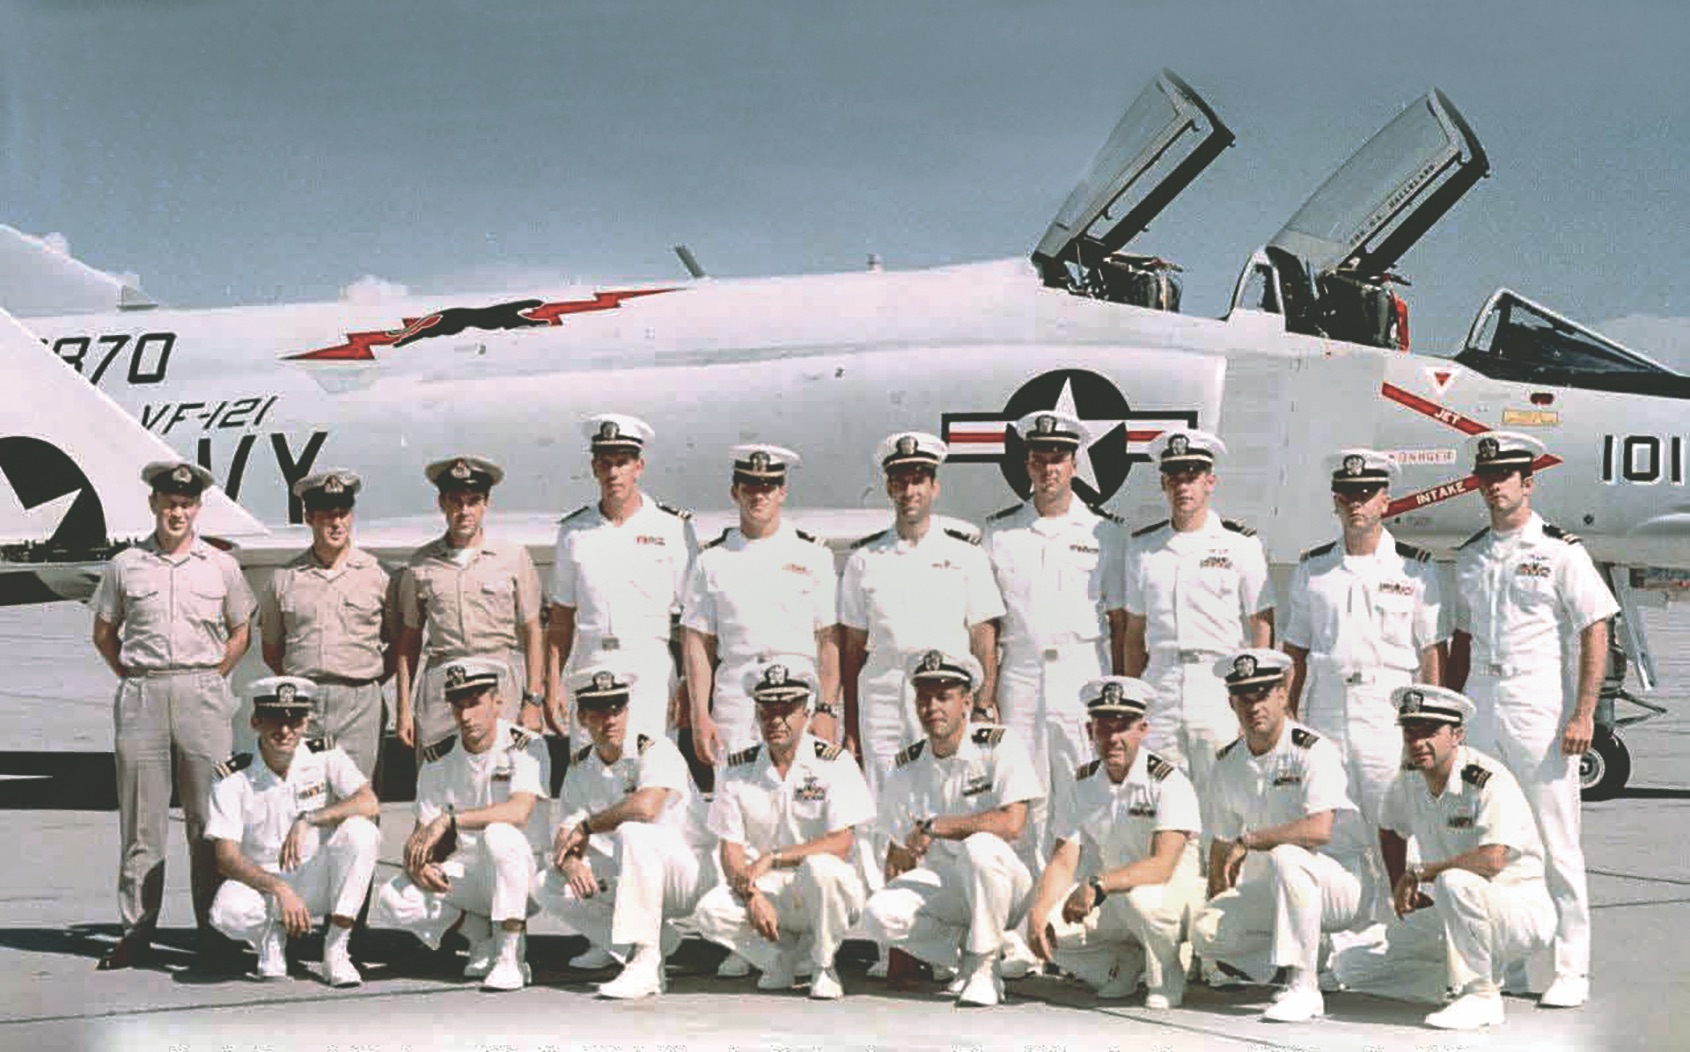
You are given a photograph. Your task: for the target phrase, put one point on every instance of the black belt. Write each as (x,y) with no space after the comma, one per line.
(343,681)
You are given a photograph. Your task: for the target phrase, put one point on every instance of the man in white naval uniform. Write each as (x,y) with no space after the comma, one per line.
(1287,856)
(955,807)
(786,813)
(629,855)
(1531,649)
(913,587)
(1196,589)
(1481,854)
(470,856)
(1128,823)
(294,835)
(1058,565)
(617,576)
(760,589)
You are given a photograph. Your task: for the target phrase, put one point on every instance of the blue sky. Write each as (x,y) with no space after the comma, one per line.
(237,152)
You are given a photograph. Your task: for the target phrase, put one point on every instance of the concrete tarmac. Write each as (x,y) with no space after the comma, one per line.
(57,913)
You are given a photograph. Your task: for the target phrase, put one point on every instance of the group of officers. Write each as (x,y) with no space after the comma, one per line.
(1053,741)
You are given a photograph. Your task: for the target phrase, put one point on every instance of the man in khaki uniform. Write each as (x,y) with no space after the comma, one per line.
(477,598)
(171,619)
(324,618)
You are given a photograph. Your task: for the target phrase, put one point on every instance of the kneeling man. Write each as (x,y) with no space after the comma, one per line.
(1133,817)
(266,827)
(1287,859)
(628,855)
(470,855)
(1481,853)
(955,807)
(786,812)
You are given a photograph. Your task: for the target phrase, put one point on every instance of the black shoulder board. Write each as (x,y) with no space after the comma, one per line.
(909,752)
(679,513)
(440,748)
(1086,770)
(578,511)
(806,536)
(1303,738)
(322,744)
(862,542)
(744,756)
(581,754)
(963,535)
(1228,747)
(1158,767)
(1237,527)
(1473,539)
(238,762)
(718,540)
(988,735)
(1550,530)
(1315,553)
(1475,775)
(1004,514)
(1104,513)
(1413,554)
(644,742)
(1145,531)
(825,751)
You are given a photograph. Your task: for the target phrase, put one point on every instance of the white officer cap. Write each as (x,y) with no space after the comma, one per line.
(466,677)
(936,666)
(600,686)
(281,695)
(611,432)
(1186,448)
(464,472)
(760,463)
(177,476)
(1115,696)
(334,488)
(1051,429)
(1361,467)
(786,677)
(1252,669)
(1504,449)
(911,448)
(1430,704)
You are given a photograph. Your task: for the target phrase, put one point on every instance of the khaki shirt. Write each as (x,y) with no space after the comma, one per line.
(172,612)
(470,609)
(329,622)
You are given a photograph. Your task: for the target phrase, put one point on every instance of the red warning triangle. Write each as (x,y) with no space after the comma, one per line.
(1440,378)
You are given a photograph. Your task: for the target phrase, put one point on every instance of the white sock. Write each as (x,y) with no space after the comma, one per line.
(336,938)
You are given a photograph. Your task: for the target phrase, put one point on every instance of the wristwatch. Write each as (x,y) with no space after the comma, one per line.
(533,697)
(827,710)
(1097,889)
(925,827)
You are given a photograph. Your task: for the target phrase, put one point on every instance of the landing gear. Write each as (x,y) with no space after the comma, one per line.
(1604,770)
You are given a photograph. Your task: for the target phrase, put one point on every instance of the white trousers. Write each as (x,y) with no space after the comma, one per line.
(332,882)
(1137,931)
(943,904)
(886,719)
(1519,721)
(1190,717)
(647,875)
(1474,930)
(733,710)
(490,879)
(1039,698)
(815,905)
(1274,916)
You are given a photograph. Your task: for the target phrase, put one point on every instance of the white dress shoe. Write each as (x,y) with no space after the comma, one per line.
(338,969)
(1018,959)
(641,977)
(594,959)
(273,953)
(982,986)
(509,971)
(1171,994)
(1468,1012)
(733,966)
(826,986)
(1299,1005)
(1567,991)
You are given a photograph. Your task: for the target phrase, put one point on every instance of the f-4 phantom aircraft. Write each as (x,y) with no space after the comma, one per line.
(1312,355)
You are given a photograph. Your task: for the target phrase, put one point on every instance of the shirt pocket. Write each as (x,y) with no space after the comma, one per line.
(492,601)
(202,600)
(359,613)
(1396,618)
(1081,568)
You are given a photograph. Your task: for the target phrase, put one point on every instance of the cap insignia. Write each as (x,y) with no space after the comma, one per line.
(332,484)
(1412,700)
(1353,464)
(285,693)
(455,675)
(1179,445)
(758,460)
(931,661)
(906,445)
(1489,448)
(603,681)
(1045,424)
(460,470)
(183,473)
(608,430)
(1112,694)
(1244,667)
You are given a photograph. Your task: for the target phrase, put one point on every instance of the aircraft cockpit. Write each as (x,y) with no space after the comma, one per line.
(1515,339)
(1163,142)
(1328,270)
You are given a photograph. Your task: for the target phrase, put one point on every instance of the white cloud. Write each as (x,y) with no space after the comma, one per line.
(371,289)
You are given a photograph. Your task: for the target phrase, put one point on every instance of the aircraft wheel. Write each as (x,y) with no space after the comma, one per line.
(1604,770)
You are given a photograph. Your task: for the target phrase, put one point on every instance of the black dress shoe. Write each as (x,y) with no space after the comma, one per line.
(126,954)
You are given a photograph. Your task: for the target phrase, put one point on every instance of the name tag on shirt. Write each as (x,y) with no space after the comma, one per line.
(1461,821)
(1083,549)
(1288,778)
(976,786)
(810,791)
(1532,570)
(1396,588)
(646,539)
(306,793)
(1216,562)
(1141,811)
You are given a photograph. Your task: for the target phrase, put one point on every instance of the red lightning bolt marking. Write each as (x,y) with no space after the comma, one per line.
(360,346)
(1467,426)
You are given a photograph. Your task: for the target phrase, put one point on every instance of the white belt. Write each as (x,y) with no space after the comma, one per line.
(1499,668)
(593,642)
(1171,654)
(1353,676)
(1053,651)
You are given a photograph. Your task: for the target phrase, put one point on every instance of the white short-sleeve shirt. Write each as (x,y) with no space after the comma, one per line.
(1058,574)
(1481,805)
(761,597)
(1117,823)
(1196,588)
(1367,611)
(624,581)
(823,792)
(990,769)
(255,807)
(918,596)
(1301,775)
(452,776)
(591,785)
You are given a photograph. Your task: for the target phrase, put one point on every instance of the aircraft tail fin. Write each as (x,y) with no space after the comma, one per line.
(39,278)
(70,464)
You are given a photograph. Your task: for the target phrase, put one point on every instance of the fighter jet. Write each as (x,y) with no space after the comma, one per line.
(1314,354)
